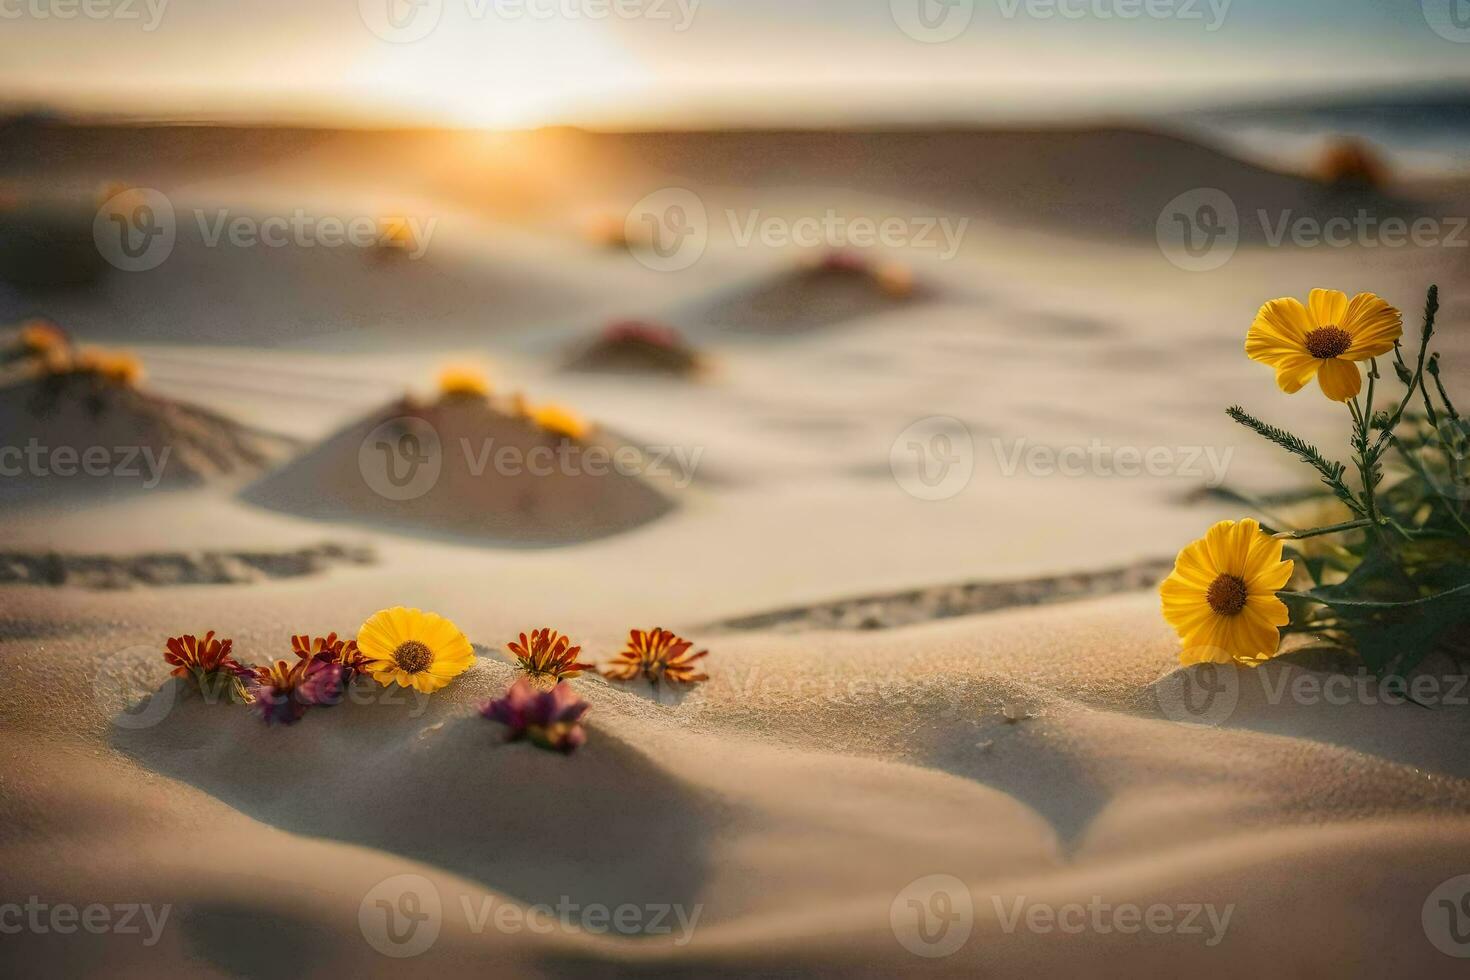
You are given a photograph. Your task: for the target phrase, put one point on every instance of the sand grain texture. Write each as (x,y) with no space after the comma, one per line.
(896,690)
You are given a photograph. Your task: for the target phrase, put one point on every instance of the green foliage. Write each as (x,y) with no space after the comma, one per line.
(1396,585)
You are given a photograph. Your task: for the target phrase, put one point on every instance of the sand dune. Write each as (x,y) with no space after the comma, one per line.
(464,468)
(794,818)
(1110,181)
(637,347)
(75,431)
(208,291)
(806,298)
(1021,733)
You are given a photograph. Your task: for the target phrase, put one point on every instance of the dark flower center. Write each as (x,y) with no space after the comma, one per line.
(1227,595)
(1326,343)
(412,657)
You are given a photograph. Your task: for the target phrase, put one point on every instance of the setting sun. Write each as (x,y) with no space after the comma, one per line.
(500,74)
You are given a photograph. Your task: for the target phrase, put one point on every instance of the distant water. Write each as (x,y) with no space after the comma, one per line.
(1417,139)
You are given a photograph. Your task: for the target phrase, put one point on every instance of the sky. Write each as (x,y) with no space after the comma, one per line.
(615,63)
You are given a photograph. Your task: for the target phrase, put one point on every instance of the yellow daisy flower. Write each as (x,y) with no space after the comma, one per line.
(41,337)
(1323,339)
(560,421)
(458,381)
(117,366)
(409,647)
(1221,596)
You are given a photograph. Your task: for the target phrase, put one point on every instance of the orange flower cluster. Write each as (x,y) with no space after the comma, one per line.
(657,655)
(409,647)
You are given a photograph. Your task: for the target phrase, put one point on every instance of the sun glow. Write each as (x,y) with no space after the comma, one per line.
(481,72)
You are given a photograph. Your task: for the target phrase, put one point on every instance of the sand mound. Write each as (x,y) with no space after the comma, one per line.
(418,746)
(637,347)
(76,429)
(837,289)
(462,466)
(1352,164)
(742,798)
(421,280)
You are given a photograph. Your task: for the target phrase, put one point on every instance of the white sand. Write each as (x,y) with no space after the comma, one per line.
(793,798)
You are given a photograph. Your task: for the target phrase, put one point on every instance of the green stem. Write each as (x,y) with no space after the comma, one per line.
(1364,461)
(1416,381)
(1444,396)
(1329,529)
(1331,470)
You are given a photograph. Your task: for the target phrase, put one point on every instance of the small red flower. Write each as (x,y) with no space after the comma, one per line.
(843,261)
(643,332)
(547,657)
(656,654)
(550,719)
(207,664)
(343,653)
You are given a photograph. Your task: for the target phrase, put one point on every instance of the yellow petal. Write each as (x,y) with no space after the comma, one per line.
(1189,620)
(378,637)
(1269,609)
(404,623)
(1340,380)
(1193,566)
(1280,330)
(1374,326)
(1255,634)
(1293,371)
(1265,572)
(1213,643)
(1229,544)
(1328,307)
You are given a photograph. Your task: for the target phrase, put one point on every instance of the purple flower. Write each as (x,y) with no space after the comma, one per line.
(284,691)
(550,719)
